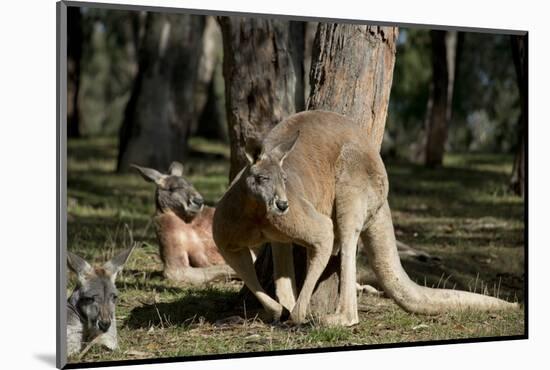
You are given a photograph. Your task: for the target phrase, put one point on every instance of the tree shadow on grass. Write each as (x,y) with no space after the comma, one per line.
(461,272)
(207,305)
(451,191)
(100,148)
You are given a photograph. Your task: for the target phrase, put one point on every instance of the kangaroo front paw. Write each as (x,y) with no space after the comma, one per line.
(109,341)
(274,314)
(298,314)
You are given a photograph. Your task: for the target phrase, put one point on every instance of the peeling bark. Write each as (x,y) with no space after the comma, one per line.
(260,80)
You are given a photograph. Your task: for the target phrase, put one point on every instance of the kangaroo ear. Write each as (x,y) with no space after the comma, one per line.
(252,149)
(283,149)
(176,169)
(115,265)
(78,265)
(150,174)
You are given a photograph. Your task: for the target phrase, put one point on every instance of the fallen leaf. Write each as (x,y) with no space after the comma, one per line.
(135,353)
(253,337)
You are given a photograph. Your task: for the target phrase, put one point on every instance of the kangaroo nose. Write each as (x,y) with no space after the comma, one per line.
(104,325)
(282,205)
(197,201)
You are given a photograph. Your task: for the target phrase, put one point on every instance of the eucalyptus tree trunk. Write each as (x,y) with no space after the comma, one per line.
(260,80)
(209,118)
(263,72)
(438,115)
(519,51)
(74,56)
(159,113)
(351,73)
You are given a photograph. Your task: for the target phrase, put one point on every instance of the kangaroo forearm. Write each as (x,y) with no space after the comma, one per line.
(201,275)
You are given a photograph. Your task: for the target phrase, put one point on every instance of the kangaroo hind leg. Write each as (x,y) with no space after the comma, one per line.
(357,195)
(283,274)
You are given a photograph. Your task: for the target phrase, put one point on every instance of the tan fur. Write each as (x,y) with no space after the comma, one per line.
(188,245)
(337,188)
(184,229)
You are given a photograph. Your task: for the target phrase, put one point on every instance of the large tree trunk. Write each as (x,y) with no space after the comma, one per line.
(441,94)
(519,51)
(263,71)
(351,73)
(260,80)
(159,114)
(74,56)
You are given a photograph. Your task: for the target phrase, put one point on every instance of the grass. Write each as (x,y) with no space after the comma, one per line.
(462,213)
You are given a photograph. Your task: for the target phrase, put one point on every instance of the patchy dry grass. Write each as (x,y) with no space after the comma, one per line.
(462,213)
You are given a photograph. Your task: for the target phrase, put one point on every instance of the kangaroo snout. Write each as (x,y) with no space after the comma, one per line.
(104,325)
(282,205)
(197,201)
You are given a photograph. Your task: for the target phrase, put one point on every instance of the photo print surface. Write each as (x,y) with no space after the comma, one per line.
(241,184)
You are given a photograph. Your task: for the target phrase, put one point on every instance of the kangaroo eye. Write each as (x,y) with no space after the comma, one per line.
(114,297)
(262,178)
(86,300)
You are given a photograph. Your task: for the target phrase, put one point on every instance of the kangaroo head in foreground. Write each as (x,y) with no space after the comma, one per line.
(91,306)
(336,193)
(174,193)
(266,178)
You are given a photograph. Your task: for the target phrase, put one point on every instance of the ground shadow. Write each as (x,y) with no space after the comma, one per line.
(206,305)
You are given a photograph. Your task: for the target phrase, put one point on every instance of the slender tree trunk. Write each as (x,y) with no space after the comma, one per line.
(519,52)
(452,49)
(74,56)
(160,110)
(206,118)
(351,73)
(438,104)
(260,80)
(212,123)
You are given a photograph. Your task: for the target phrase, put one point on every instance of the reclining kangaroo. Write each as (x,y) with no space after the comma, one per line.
(91,306)
(318,183)
(184,229)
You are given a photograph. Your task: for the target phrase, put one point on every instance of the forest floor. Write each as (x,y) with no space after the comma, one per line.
(461,213)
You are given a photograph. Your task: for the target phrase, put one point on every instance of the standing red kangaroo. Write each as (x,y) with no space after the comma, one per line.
(317,183)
